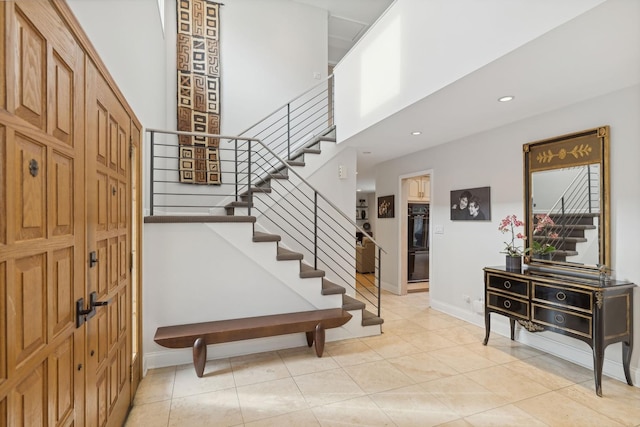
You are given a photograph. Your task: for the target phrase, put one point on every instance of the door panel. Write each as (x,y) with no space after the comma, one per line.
(61,372)
(108,167)
(30,188)
(61,314)
(65,191)
(28,296)
(3,326)
(30,399)
(30,90)
(62,193)
(41,230)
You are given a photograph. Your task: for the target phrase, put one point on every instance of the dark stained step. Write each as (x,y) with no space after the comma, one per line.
(576,230)
(327,138)
(264,189)
(572,219)
(231,207)
(167,219)
(306,150)
(307,271)
(330,288)
(265,237)
(369,319)
(349,303)
(287,255)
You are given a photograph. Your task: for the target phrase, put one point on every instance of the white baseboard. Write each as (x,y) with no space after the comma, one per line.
(564,347)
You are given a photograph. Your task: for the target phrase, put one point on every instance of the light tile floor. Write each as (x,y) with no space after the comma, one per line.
(426,369)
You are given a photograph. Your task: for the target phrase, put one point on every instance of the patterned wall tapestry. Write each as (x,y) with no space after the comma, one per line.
(198,67)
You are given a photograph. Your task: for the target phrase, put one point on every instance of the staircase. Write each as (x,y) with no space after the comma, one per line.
(575,216)
(264,187)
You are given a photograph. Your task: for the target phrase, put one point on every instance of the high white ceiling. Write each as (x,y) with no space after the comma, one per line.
(593,54)
(348,21)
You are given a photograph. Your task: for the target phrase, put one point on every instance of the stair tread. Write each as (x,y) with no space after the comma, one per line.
(560,239)
(265,189)
(369,319)
(287,255)
(160,219)
(573,226)
(238,204)
(307,271)
(330,288)
(350,303)
(296,163)
(563,253)
(259,236)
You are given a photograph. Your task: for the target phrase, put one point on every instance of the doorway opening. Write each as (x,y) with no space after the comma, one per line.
(415,236)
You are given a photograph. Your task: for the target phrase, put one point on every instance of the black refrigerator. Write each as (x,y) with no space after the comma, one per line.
(418,242)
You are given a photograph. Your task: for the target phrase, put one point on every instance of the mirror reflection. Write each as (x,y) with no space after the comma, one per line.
(566,200)
(566,214)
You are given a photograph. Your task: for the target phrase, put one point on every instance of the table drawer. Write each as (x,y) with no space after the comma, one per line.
(508,284)
(576,323)
(507,305)
(564,297)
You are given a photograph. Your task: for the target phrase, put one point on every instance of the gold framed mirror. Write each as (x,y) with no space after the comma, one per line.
(566,186)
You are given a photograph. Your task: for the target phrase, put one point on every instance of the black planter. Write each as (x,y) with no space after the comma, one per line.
(513,263)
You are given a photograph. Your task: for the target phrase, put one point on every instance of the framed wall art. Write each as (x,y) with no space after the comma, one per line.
(385,206)
(471,204)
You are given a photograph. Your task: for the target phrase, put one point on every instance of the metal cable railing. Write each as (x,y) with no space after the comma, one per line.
(574,210)
(253,181)
(256,177)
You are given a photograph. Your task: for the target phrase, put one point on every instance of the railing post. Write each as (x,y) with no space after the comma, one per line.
(379,275)
(249,193)
(315,230)
(151,160)
(589,188)
(236,167)
(288,131)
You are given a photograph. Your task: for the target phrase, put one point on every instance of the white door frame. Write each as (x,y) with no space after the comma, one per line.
(402,226)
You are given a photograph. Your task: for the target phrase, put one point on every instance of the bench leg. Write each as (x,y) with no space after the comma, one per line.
(309,338)
(199,356)
(319,337)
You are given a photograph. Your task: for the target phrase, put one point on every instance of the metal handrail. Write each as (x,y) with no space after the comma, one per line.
(325,80)
(281,165)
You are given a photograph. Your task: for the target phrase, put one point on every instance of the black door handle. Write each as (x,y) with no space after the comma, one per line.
(93,300)
(84,314)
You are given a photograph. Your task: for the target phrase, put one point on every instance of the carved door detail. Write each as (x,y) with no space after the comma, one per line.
(64,191)
(41,230)
(108,198)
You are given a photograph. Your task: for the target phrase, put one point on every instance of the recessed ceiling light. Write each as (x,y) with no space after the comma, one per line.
(506,98)
(417,132)
(359,189)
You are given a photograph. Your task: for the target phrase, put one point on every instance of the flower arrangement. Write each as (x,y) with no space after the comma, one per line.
(509,225)
(543,222)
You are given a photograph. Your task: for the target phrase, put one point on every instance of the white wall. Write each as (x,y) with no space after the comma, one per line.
(127,34)
(392,66)
(268,55)
(494,159)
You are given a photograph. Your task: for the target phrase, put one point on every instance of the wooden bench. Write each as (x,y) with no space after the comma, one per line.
(199,335)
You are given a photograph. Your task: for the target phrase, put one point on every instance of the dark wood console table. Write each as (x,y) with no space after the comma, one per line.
(594,311)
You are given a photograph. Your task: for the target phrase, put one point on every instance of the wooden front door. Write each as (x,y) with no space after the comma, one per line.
(65,192)
(109,244)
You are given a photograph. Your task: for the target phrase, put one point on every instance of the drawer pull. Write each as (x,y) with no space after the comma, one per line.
(507,284)
(507,304)
(559,318)
(561,296)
